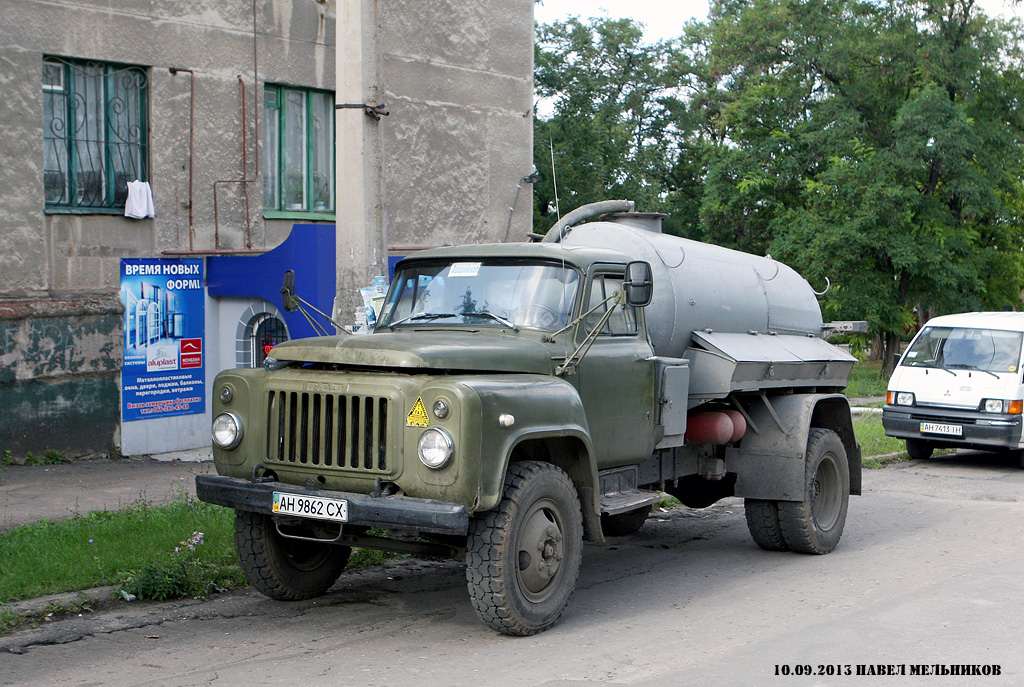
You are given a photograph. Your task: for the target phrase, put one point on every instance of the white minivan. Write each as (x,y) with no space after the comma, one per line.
(959,384)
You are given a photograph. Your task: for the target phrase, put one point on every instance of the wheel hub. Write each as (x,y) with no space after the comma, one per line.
(540,550)
(825,498)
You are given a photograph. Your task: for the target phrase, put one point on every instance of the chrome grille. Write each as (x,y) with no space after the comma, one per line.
(329,430)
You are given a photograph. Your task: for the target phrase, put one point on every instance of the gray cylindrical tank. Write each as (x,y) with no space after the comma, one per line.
(700,286)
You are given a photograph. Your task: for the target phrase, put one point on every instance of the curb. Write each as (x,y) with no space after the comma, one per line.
(96,597)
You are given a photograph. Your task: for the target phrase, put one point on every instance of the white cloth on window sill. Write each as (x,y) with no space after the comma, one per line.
(140,200)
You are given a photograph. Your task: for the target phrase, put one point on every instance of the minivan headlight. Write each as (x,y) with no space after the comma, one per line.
(996,405)
(227,430)
(992,405)
(435,448)
(901,398)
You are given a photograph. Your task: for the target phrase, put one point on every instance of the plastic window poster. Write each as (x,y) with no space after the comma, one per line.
(164,319)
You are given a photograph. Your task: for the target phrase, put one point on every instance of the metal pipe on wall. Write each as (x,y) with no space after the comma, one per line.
(191,146)
(245,180)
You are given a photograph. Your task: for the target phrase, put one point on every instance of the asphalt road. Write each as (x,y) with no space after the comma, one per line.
(928,574)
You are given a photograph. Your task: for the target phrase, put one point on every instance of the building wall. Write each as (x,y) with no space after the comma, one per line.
(459,86)
(456,76)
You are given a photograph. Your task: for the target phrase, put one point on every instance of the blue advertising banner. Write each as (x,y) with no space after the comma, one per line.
(164,320)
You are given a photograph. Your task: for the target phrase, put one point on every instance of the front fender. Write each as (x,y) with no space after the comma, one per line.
(545,409)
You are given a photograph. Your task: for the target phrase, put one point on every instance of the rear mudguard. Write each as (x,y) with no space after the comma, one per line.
(769,461)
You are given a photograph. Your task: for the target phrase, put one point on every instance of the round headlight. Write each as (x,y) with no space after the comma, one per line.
(227,430)
(435,448)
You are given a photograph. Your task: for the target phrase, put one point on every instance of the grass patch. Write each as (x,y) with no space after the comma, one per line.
(865,380)
(107,547)
(871,436)
(184,549)
(873,442)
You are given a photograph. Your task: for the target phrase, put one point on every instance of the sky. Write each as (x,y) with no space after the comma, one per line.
(664,19)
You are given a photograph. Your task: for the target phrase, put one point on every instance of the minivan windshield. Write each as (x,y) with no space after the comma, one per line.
(958,348)
(485,293)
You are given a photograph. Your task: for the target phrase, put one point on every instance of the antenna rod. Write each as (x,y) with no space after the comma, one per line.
(554,178)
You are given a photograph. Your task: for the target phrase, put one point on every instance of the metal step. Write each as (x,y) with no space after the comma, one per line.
(623,502)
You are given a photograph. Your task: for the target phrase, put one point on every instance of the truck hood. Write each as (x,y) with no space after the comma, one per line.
(964,390)
(435,350)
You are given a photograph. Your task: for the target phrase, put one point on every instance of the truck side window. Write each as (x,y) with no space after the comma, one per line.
(623,320)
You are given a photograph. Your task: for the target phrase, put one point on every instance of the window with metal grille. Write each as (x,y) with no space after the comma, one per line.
(94,133)
(267,332)
(298,144)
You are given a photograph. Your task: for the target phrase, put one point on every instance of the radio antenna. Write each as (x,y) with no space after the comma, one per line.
(554,178)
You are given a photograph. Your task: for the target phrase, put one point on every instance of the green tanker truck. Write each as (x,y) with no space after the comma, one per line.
(516,400)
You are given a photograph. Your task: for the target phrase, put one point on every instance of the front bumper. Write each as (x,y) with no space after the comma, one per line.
(389,512)
(985,430)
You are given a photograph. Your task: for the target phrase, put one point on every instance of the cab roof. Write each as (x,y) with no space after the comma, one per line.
(578,256)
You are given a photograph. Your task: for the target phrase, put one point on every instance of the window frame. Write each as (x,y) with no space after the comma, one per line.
(115,138)
(628,315)
(277,108)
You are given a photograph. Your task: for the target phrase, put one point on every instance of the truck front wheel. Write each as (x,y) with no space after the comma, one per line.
(523,557)
(815,524)
(283,568)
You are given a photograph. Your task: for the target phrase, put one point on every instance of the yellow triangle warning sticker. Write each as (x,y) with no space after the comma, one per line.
(417,417)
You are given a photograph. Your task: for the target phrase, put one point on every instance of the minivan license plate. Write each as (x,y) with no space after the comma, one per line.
(310,506)
(936,428)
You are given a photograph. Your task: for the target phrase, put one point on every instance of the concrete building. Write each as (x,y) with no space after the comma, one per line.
(227,110)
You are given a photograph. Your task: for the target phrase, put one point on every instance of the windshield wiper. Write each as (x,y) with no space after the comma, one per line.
(421,316)
(496,318)
(975,368)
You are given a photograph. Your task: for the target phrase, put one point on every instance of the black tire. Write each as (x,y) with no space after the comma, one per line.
(815,524)
(763,523)
(513,590)
(282,568)
(624,523)
(1017,455)
(919,449)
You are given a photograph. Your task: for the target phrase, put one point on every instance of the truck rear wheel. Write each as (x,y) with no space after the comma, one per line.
(919,449)
(815,524)
(283,568)
(763,523)
(523,557)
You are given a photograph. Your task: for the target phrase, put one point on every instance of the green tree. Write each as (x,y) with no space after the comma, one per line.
(875,143)
(612,130)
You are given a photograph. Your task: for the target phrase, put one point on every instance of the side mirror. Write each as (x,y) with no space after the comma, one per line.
(638,284)
(288,297)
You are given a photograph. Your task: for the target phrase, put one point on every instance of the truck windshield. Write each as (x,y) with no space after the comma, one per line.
(988,350)
(485,293)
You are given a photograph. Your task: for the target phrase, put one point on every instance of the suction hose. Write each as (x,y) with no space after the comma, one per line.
(562,227)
